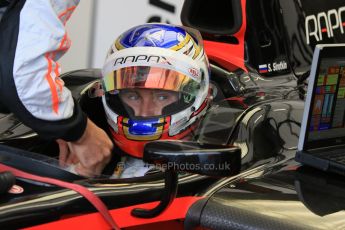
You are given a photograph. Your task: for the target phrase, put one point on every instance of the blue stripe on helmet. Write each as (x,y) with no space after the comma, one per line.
(164,36)
(140,127)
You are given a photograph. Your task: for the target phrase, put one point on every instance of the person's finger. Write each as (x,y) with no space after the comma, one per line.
(95,168)
(84,171)
(72,156)
(63,152)
(93,150)
(99,168)
(74,159)
(90,171)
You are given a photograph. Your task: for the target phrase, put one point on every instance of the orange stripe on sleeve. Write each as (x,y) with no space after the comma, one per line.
(63,13)
(53,90)
(62,46)
(67,10)
(54,82)
(58,80)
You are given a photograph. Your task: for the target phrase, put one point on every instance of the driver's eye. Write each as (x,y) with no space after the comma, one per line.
(133,96)
(162,97)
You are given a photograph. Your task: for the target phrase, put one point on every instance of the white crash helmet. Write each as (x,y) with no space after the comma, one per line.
(156,58)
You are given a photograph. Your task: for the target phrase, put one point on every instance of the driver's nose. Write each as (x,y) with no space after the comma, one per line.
(147,108)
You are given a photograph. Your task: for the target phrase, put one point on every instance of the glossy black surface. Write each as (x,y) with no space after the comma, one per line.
(194,157)
(168,196)
(221,23)
(269,131)
(34,163)
(274,192)
(41,203)
(280,30)
(277,31)
(284,192)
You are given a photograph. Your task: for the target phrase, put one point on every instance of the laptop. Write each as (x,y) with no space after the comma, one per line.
(322,137)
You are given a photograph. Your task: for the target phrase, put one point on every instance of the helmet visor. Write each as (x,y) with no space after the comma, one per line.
(149,77)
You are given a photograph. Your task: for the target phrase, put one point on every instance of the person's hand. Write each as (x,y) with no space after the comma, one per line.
(90,153)
(66,158)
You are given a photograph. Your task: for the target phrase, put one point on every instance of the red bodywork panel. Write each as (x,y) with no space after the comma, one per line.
(229,56)
(176,212)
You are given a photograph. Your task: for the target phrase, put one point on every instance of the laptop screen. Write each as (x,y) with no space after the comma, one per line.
(325,102)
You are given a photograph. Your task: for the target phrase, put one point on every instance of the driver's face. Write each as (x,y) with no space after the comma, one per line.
(148,102)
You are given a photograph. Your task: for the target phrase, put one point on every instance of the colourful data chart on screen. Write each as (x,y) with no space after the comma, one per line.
(339,110)
(327,92)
